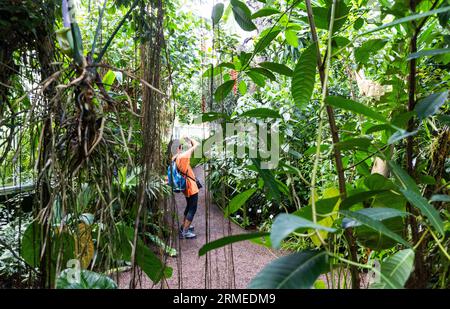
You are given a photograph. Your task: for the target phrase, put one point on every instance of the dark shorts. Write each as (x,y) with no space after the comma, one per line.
(191,206)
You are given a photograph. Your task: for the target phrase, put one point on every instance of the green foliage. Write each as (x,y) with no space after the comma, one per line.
(276,67)
(409,189)
(374,113)
(426,53)
(374,224)
(12,227)
(285,224)
(304,76)
(408,19)
(265,39)
(296,271)
(368,49)
(33,240)
(395,270)
(378,214)
(261,112)
(264,12)
(354,107)
(86,280)
(217,13)
(242,15)
(291,38)
(145,258)
(218,243)
(431,104)
(359,197)
(223,90)
(238,200)
(256,77)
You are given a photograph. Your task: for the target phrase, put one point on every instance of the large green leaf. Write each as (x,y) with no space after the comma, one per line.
(312,150)
(355,107)
(304,76)
(395,270)
(242,15)
(218,243)
(369,238)
(359,197)
(256,77)
(444,119)
(408,19)
(265,12)
(243,59)
(378,128)
(218,69)
(65,41)
(440,198)
(265,40)
(217,13)
(78,43)
(261,112)
(378,214)
(399,135)
(322,16)
(362,143)
(411,192)
(31,247)
(377,182)
(85,279)
(444,17)
(340,41)
(285,224)
(263,72)
(291,37)
(425,208)
(431,104)
(212,116)
(242,5)
(429,52)
(296,271)
(242,87)
(324,207)
(367,49)
(340,15)
(374,225)
(31,244)
(238,201)
(276,67)
(269,179)
(223,90)
(402,176)
(145,258)
(108,79)
(358,23)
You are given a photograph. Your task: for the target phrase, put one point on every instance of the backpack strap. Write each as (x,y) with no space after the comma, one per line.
(184,174)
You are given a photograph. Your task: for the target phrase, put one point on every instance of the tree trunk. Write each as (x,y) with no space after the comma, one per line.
(418,278)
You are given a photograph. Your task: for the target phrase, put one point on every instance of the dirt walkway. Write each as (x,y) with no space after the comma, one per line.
(248,258)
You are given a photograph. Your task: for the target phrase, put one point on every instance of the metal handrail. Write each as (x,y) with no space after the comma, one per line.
(7,190)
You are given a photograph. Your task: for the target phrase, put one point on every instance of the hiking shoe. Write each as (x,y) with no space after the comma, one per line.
(187,235)
(190,229)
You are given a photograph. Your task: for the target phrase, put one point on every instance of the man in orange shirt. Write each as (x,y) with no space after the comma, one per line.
(183,159)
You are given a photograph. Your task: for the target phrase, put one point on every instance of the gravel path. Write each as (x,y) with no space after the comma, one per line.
(248,258)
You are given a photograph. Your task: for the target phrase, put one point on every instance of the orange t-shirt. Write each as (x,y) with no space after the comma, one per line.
(183,161)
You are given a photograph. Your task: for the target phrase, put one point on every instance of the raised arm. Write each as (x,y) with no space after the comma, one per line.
(194,144)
